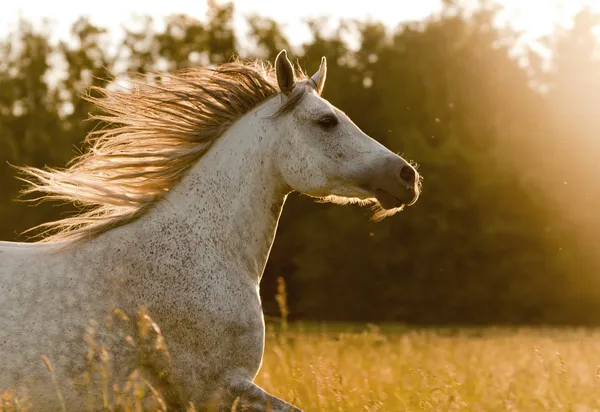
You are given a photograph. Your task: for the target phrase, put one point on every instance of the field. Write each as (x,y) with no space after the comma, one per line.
(391,368)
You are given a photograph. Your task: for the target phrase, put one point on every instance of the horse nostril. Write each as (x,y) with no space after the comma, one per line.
(408,174)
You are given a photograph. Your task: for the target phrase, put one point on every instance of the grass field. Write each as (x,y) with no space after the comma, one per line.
(391,368)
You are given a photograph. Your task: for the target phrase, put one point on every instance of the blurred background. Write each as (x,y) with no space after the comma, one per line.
(497,101)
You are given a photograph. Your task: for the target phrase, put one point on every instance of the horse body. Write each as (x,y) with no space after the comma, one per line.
(47,299)
(195,260)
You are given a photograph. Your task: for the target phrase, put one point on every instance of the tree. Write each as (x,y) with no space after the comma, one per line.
(496,236)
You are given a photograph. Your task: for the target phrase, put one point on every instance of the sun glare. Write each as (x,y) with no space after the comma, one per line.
(535,17)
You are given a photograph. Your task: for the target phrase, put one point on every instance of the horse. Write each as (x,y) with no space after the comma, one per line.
(180,197)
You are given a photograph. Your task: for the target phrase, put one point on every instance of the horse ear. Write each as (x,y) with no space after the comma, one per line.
(319,77)
(285,72)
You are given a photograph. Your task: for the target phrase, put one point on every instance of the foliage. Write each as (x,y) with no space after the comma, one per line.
(497,235)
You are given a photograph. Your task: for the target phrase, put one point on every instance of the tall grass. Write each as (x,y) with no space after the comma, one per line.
(432,370)
(326,367)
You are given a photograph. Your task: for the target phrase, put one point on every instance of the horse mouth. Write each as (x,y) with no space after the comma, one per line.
(389,201)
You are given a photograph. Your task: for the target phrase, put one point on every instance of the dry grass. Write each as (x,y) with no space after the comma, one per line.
(328,368)
(435,370)
(390,368)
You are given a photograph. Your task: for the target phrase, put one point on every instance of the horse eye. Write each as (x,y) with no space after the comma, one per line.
(328,122)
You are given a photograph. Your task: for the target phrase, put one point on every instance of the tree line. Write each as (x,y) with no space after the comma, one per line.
(506,230)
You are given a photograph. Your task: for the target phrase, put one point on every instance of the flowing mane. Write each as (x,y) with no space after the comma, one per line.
(195,267)
(154,134)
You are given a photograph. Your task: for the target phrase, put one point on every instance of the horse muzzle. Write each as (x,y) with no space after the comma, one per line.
(394,184)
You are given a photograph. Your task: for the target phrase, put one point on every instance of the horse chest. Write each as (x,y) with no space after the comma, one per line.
(211,319)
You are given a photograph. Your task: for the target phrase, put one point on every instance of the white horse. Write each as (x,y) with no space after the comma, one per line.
(181,196)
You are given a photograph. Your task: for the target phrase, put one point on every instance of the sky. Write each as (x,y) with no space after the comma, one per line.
(535,17)
(114,12)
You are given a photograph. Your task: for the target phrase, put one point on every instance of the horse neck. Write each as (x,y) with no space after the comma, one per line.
(229,204)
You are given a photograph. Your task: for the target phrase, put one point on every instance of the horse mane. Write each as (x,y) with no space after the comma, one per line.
(154,133)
